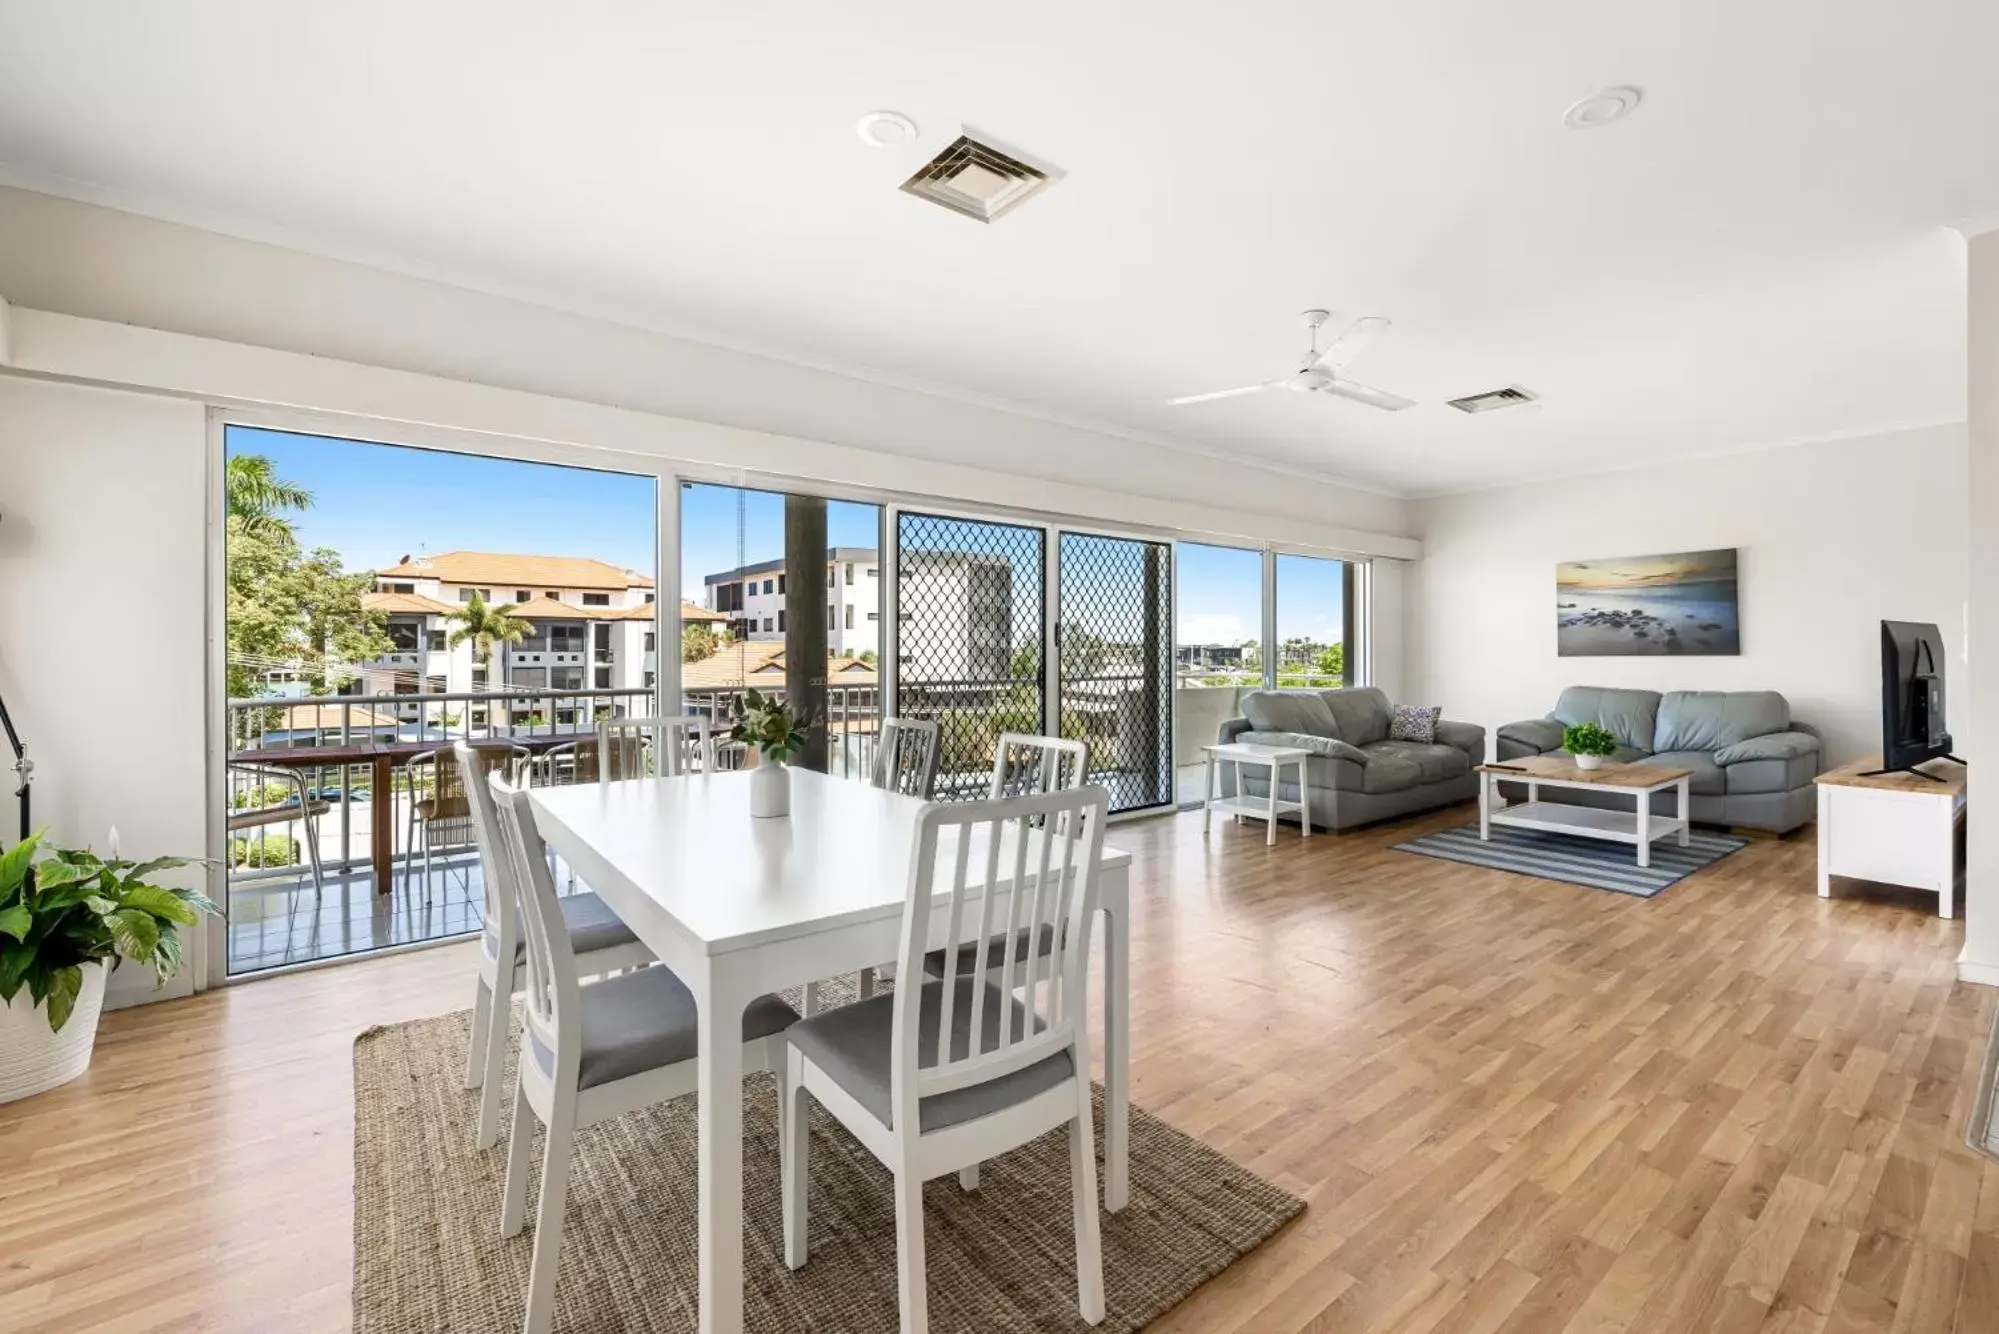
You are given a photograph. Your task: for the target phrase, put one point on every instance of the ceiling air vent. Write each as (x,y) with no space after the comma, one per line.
(977,180)
(1512,396)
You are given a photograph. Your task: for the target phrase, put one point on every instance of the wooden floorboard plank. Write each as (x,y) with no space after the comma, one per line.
(1512,1104)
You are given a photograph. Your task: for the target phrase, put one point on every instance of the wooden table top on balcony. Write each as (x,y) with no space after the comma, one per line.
(381,756)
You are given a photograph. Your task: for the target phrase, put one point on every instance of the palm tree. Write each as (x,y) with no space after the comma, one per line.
(255,495)
(486,624)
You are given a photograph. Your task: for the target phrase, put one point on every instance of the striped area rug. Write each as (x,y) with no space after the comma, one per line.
(1579,861)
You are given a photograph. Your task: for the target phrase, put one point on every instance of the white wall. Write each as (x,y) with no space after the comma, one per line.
(77,259)
(1981,891)
(102,559)
(1832,537)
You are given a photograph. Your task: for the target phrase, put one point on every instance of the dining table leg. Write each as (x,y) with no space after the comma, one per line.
(1117,1040)
(382,823)
(719,1130)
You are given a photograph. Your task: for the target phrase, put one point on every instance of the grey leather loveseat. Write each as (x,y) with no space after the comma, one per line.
(1752,763)
(1355,775)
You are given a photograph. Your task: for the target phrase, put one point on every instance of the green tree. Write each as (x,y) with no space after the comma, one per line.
(697,642)
(486,625)
(1333,661)
(255,494)
(294,610)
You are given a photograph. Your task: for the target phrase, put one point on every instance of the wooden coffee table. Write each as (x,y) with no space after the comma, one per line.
(1638,826)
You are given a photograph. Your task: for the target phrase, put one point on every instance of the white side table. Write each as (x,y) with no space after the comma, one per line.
(1272,758)
(1895,829)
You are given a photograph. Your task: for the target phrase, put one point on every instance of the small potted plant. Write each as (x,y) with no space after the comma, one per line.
(776,732)
(67,918)
(1589,744)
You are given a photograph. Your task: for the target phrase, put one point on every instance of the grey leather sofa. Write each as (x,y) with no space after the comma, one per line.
(1752,763)
(1355,775)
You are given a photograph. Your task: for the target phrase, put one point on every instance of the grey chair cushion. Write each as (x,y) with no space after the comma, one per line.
(644,1020)
(851,1044)
(1362,714)
(1630,715)
(1714,719)
(1750,777)
(1770,746)
(1434,763)
(1289,711)
(592,926)
(968,954)
(1708,780)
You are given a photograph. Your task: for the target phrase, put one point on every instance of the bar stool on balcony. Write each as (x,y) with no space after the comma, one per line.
(303,807)
(443,819)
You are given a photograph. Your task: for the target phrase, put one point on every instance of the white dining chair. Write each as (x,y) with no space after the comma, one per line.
(674,746)
(906,757)
(599,941)
(935,1078)
(594,1051)
(906,762)
(1023,763)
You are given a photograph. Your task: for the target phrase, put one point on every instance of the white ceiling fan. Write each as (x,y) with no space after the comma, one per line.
(1318,372)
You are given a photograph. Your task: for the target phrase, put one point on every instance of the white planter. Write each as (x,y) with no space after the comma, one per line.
(1588,761)
(770,790)
(31,1057)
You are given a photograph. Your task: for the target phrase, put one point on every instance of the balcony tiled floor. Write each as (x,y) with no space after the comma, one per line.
(275,921)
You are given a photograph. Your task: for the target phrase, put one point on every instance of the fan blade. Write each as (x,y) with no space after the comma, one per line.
(1355,339)
(1374,398)
(1223,393)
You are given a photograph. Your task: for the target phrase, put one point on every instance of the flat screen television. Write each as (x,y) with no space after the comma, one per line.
(1912,698)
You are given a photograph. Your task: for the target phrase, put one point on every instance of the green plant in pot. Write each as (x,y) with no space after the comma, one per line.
(777,732)
(67,918)
(1589,744)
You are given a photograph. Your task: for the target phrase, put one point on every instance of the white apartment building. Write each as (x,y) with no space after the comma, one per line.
(753,598)
(591,625)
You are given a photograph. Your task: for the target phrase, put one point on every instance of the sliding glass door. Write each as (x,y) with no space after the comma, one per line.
(1315,622)
(970,630)
(1114,636)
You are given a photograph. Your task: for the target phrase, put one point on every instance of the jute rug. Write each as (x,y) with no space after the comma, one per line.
(428,1256)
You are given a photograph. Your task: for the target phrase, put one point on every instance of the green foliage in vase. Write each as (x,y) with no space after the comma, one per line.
(773,727)
(1588,739)
(63,908)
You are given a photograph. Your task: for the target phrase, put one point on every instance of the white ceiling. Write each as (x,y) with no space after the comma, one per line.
(1758,256)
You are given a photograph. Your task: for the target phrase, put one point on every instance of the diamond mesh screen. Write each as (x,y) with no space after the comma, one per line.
(1116,663)
(968,639)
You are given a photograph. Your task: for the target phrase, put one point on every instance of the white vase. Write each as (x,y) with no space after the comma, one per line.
(1588,761)
(770,789)
(31,1057)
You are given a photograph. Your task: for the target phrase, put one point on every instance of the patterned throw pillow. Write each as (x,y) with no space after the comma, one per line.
(1413,722)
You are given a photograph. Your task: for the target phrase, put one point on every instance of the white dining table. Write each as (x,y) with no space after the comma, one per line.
(739,907)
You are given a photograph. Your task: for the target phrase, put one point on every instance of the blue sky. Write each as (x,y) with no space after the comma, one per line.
(376,503)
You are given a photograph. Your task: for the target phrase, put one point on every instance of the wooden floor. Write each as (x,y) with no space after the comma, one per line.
(1513,1105)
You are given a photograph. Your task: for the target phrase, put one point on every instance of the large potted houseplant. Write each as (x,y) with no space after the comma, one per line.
(67,918)
(776,731)
(1589,744)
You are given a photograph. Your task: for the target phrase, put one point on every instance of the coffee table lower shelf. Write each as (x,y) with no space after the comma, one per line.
(1586,821)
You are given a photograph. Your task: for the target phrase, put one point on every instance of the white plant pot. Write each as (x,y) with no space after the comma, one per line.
(1588,761)
(770,789)
(31,1057)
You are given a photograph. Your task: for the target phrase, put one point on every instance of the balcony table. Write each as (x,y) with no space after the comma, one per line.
(381,757)
(738,907)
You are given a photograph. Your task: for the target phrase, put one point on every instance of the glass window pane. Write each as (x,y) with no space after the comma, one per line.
(1218,651)
(1313,603)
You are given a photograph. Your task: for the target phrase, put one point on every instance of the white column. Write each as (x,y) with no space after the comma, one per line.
(1980,962)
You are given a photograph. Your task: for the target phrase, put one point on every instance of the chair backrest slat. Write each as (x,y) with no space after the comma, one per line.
(551,983)
(642,747)
(1025,764)
(906,757)
(1041,851)
(469,766)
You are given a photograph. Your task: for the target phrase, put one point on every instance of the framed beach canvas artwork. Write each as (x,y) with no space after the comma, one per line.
(1642,606)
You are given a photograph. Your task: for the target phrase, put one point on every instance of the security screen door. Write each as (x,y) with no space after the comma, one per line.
(1114,632)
